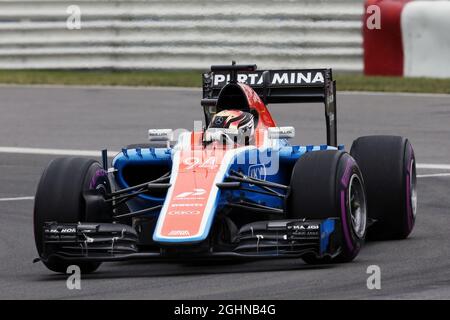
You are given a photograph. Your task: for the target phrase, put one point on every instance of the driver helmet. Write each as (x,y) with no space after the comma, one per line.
(235,125)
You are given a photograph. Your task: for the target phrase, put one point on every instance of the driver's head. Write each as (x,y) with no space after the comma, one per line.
(240,122)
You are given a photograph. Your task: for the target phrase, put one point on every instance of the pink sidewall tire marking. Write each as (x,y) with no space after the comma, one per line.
(345,227)
(98,173)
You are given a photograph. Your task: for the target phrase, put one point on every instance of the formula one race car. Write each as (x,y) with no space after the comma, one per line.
(234,188)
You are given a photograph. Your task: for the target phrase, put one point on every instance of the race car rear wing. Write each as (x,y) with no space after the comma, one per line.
(278,86)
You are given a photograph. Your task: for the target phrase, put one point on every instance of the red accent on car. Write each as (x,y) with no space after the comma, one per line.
(255,103)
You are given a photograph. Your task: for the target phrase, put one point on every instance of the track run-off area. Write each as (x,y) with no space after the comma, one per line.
(39,123)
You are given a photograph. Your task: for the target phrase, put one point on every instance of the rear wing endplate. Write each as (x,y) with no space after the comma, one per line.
(278,86)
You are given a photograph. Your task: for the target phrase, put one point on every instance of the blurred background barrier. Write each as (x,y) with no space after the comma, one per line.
(383,51)
(414,39)
(426,39)
(177,34)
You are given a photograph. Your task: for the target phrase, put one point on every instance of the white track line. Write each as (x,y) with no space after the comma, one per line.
(399,94)
(56,152)
(16,199)
(198,89)
(433,175)
(99,87)
(434,166)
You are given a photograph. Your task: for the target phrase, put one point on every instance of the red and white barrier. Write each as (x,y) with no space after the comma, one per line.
(414,39)
(383,52)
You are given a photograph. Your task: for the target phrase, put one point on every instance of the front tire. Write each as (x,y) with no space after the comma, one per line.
(59,197)
(326,184)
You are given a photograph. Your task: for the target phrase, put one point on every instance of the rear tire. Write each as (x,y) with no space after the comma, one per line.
(322,186)
(388,166)
(59,198)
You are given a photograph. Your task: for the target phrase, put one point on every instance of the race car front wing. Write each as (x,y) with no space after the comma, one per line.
(257,240)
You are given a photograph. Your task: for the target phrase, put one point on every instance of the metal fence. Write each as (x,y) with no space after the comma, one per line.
(176,34)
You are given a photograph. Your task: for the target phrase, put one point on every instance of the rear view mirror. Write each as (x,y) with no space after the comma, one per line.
(281,132)
(160,135)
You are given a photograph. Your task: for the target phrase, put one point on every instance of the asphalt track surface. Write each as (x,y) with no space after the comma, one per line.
(94,118)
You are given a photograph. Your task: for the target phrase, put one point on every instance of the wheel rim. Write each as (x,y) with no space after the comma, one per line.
(357,206)
(101,188)
(99,182)
(412,187)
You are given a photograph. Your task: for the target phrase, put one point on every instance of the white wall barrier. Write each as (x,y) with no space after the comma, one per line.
(181,34)
(426,39)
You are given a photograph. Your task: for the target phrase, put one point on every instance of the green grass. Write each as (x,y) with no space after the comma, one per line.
(103,78)
(391,84)
(345,82)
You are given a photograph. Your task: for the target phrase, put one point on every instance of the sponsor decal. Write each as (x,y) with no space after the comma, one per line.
(257,171)
(277,78)
(191,194)
(186,205)
(180,233)
(218,121)
(306,227)
(68,230)
(195,162)
(183,213)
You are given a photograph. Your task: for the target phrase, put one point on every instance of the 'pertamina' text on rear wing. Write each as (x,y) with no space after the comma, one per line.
(279,86)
